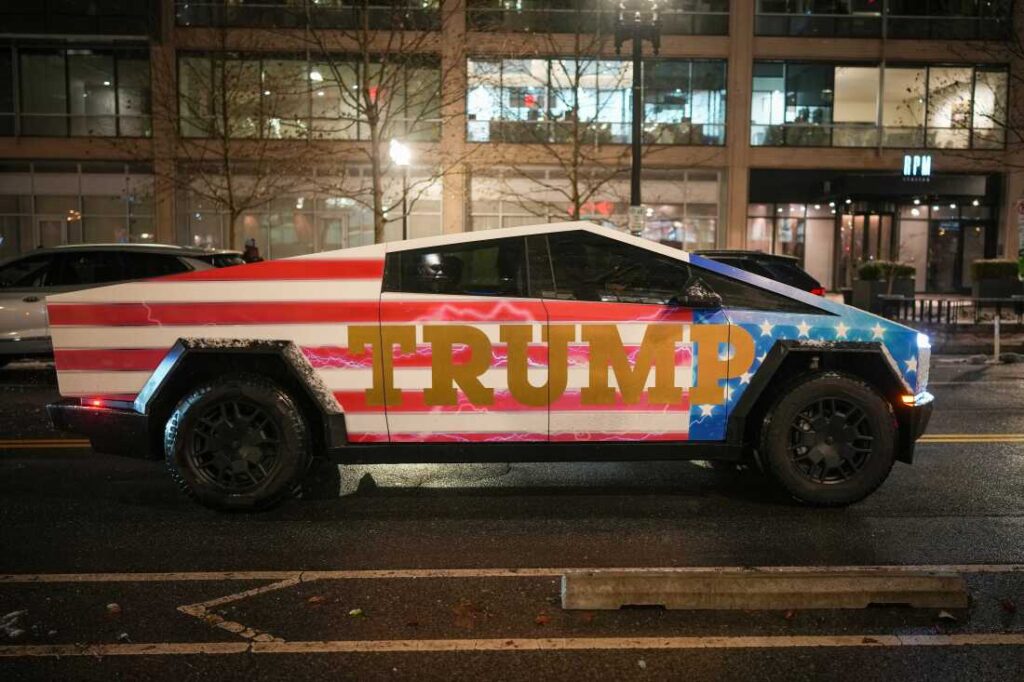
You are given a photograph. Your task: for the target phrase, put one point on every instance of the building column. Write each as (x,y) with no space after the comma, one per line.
(163,83)
(741,51)
(1012,213)
(455,178)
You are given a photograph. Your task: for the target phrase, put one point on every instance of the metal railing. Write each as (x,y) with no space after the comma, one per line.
(870,25)
(552,20)
(593,132)
(298,15)
(867,135)
(951,311)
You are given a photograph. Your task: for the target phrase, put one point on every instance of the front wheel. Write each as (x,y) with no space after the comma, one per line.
(239,442)
(830,440)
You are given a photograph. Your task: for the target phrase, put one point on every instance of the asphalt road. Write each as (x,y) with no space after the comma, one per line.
(452,572)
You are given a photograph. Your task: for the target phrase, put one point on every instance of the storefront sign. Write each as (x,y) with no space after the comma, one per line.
(917,165)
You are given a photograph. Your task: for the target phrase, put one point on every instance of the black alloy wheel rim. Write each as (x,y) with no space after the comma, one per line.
(830,441)
(235,446)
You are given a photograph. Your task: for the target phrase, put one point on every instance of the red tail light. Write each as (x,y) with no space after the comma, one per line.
(818,291)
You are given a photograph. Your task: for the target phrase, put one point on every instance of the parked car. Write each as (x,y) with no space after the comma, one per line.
(26,281)
(565,341)
(785,269)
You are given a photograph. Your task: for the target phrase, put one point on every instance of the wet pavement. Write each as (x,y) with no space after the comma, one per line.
(478,550)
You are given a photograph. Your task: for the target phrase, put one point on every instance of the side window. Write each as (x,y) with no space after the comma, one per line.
(26,272)
(738,295)
(88,267)
(496,267)
(589,267)
(143,265)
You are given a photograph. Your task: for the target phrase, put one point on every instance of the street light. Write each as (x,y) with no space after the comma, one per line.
(638,21)
(401,156)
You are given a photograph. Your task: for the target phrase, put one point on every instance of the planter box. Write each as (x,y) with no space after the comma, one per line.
(996,288)
(866,292)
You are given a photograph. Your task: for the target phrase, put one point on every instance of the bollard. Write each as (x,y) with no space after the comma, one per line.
(995,341)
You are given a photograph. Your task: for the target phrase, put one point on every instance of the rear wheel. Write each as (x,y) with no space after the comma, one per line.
(829,440)
(239,442)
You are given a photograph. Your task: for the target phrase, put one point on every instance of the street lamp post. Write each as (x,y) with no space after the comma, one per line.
(637,21)
(401,156)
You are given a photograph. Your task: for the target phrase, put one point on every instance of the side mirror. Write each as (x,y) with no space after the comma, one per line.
(697,295)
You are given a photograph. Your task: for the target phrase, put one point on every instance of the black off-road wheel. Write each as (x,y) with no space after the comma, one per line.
(829,440)
(239,442)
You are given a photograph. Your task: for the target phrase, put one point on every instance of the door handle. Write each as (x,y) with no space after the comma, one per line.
(30,299)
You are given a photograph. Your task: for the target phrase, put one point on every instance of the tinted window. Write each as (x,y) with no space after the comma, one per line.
(495,267)
(789,273)
(738,295)
(88,267)
(26,272)
(143,265)
(588,267)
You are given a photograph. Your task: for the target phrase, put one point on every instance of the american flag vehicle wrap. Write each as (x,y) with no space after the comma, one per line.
(417,367)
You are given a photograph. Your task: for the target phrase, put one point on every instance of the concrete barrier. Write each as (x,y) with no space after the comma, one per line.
(602,590)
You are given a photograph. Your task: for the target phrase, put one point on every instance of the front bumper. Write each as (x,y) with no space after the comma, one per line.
(112,430)
(913,420)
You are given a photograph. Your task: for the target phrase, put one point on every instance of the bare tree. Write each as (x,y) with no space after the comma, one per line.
(241,131)
(377,77)
(577,118)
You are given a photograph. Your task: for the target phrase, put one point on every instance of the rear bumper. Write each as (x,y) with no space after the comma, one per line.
(913,421)
(110,430)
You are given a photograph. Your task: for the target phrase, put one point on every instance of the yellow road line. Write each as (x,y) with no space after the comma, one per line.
(420,573)
(513,644)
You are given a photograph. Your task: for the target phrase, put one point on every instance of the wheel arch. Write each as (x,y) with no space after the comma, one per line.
(788,361)
(194,361)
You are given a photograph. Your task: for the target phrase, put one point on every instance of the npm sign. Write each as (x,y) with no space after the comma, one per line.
(917,165)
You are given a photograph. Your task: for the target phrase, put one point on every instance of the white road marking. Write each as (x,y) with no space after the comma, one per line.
(512,644)
(201,611)
(414,573)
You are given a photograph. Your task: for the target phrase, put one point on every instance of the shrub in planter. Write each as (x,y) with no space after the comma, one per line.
(995,278)
(873,280)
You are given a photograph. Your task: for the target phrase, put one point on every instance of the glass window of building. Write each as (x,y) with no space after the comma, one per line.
(828,105)
(44,97)
(53,203)
(79,17)
(678,17)
(903,107)
(552,100)
(91,93)
(292,98)
(80,92)
(683,206)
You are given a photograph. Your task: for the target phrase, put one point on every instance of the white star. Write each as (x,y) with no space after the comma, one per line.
(745,378)
(705,410)
(841,330)
(766,328)
(761,357)
(877,331)
(912,365)
(728,393)
(803,328)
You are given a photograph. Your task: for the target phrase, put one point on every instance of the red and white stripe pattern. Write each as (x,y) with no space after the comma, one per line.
(108,341)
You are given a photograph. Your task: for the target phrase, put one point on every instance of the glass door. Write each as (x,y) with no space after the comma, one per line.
(862,237)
